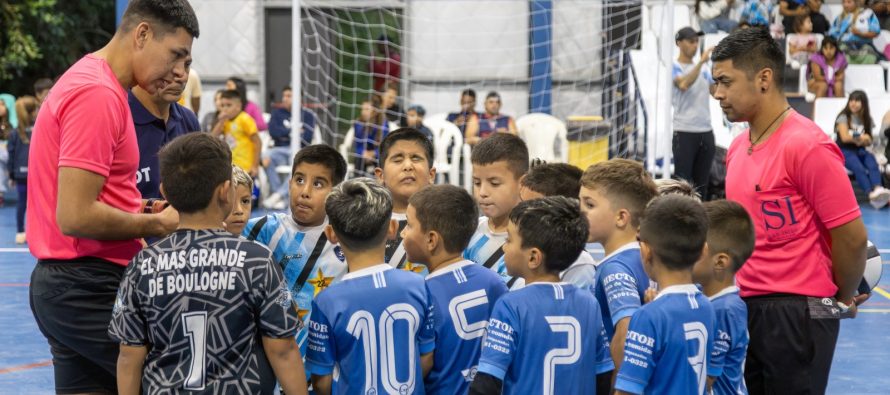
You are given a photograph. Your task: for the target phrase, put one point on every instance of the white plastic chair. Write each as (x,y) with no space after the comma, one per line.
(346,149)
(468,168)
(825,112)
(434,118)
(865,77)
(545,136)
(444,135)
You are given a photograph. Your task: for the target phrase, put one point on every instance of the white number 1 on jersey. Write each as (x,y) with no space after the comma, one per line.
(194,326)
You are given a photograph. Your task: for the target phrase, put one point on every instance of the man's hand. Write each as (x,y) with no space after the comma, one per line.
(706,55)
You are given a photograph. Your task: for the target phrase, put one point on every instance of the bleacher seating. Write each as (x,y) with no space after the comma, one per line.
(865,77)
(825,111)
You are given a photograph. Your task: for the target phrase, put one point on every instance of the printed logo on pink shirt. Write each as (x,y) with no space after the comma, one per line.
(778,208)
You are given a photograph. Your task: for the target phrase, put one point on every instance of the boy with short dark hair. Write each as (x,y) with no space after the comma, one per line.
(310,261)
(669,340)
(240,132)
(548,336)
(613,196)
(499,162)
(441,221)
(374,326)
(730,243)
(406,166)
(190,306)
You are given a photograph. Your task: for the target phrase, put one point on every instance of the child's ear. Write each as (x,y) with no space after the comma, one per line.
(163,194)
(329,233)
(432,175)
(722,262)
(433,241)
(225,192)
(535,258)
(378,174)
(622,218)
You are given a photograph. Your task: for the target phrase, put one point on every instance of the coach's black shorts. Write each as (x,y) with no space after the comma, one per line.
(792,344)
(72,301)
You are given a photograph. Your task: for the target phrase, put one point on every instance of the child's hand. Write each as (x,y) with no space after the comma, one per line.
(368,156)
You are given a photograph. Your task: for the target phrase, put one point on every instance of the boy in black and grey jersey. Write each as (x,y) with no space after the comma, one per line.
(190,306)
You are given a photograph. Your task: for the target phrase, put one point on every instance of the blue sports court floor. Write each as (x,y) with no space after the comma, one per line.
(860,362)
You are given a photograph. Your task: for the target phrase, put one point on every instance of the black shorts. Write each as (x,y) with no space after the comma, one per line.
(792,344)
(72,301)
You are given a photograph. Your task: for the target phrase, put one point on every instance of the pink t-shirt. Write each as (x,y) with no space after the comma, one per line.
(795,188)
(84,123)
(254,111)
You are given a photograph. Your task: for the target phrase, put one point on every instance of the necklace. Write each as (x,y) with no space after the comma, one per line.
(753,143)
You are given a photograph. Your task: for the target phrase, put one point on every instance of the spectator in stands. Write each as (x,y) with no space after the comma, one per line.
(6,129)
(825,74)
(853,127)
(492,121)
(881,8)
(280,154)
(854,29)
(714,15)
(368,131)
(790,10)
(820,22)
(386,64)
(758,12)
(191,94)
(693,140)
(885,128)
(414,119)
(390,103)
(41,89)
(211,118)
(802,44)
(19,147)
(467,120)
(251,108)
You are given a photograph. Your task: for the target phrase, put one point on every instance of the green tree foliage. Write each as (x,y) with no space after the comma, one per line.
(42,38)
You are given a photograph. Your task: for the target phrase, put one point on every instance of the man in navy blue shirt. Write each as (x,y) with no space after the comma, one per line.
(280,154)
(158,119)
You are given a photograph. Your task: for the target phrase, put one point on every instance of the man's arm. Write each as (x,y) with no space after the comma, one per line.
(79,212)
(472,130)
(285,359)
(848,244)
(683,82)
(129,369)
(322,385)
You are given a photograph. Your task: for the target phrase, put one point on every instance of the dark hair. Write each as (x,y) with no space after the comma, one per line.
(325,155)
(359,210)
(169,15)
(730,231)
(861,97)
(493,94)
(192,167)
(552,179)
(406,134)
(555,226)
(26,109)
(828,40)
(286,88)
(42,84)
(502,147)
(798,22)
(241,88)
(468,92)
(232,94)
(625,183)
(752,50)
(675,227)
(448,210)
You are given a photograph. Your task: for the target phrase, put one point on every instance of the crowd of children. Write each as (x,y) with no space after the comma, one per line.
(395,285)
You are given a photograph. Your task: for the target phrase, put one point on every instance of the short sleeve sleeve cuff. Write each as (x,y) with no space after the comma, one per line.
(427,346)
(626,385)
(626,312)
(604,366)
(492,370)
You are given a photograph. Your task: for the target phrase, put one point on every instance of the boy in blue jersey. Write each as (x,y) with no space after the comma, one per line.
(547,337)
(406,158)
(669,340)
(730,244)
(613,196)
(441,221)
(373,329)
(499,162)
(309,260)
(559,179)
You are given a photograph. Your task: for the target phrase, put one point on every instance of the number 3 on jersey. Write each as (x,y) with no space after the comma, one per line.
(362,326)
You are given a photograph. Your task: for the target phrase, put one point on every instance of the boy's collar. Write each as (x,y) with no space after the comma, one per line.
(367,271)
(725,291)
(450,268)
(628,246)
(678,289)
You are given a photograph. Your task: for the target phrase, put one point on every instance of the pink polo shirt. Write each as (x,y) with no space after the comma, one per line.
(84,123)
(795,188)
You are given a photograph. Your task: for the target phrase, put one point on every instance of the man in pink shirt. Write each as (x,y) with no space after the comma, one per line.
(85,222)
(809,254)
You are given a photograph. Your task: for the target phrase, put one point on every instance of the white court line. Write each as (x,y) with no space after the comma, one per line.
(14,250)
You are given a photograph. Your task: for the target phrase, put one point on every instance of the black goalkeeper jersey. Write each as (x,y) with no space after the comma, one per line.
(197,300)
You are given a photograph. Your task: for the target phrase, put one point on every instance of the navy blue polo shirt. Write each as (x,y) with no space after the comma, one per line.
(152,133)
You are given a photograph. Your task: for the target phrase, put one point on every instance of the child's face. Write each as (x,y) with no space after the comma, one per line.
(515,257)
(414,239)
(806,26)
(389,98)
(849,5)
(413,119)
(598,210)
(828,51)
(241,207)
(855,106)
(309,187)
(229,108)
(367,112)
(406,170)
(495,189)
